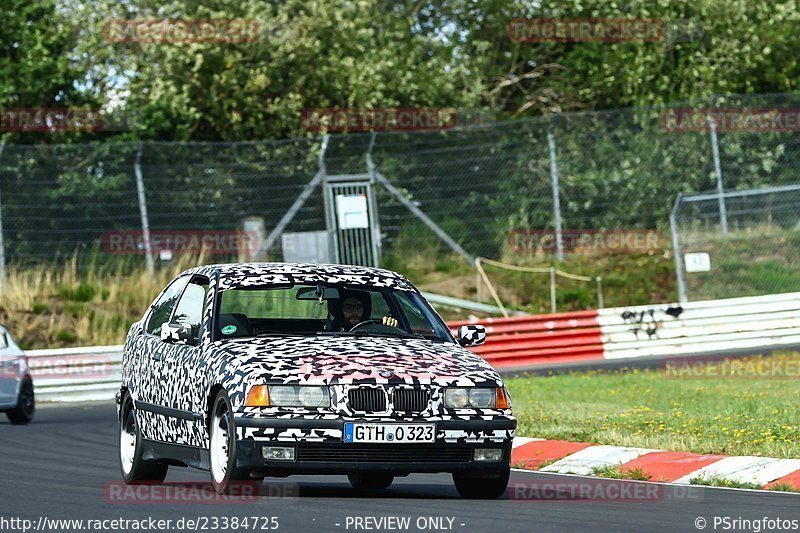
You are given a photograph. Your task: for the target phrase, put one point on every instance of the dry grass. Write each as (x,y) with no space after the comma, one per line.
(47,307)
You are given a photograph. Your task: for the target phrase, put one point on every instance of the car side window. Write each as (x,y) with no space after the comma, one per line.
(163,306)
(414,316)
(190,307)
(379,306)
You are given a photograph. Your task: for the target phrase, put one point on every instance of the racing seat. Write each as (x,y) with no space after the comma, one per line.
(239,321)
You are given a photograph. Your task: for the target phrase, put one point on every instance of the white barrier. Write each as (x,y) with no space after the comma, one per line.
(88,374)
(76,374)
(701,327)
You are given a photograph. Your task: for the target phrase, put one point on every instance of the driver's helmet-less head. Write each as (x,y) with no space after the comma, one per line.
(345,308)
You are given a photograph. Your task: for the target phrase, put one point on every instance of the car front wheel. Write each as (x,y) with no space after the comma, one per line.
(222,446)
(482,488)
(22,413)
(135,470)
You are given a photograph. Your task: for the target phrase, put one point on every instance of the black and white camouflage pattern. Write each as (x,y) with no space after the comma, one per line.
(185,378)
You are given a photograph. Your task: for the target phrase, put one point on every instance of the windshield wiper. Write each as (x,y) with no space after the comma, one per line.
(401,334)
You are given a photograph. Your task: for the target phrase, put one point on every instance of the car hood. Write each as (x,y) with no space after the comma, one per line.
(345,359)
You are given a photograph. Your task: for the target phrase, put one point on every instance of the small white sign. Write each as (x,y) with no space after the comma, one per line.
(352,211)
(697,262)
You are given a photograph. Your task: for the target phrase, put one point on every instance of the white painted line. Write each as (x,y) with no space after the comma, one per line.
(703,487)
(758,470)
(584,461)
(519,441)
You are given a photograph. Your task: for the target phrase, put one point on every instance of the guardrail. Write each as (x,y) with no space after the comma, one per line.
(93,373)
(539,339)
(621,333)
(76,374)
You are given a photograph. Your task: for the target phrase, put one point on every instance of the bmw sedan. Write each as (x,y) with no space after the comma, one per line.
(272,369)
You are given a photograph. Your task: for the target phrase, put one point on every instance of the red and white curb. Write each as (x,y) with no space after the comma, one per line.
(564,457)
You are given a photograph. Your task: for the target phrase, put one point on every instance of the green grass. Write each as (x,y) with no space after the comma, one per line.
(784,487)
(614,472)
(642,408)
(721,482)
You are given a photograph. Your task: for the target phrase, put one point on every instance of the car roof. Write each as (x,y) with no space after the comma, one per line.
(278,273)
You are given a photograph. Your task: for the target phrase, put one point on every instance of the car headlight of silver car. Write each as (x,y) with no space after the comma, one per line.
(288,396)
(476,398)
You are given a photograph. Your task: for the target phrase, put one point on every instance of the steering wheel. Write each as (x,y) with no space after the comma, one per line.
(367,322)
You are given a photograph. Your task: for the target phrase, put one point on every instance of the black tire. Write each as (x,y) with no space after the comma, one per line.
(482,488)
(223,476)
(23,412)
(370,480)
(134,469)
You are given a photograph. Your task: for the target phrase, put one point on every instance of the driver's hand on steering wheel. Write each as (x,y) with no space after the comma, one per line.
(390,321)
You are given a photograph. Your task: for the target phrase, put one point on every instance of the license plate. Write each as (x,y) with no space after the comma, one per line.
(389,433)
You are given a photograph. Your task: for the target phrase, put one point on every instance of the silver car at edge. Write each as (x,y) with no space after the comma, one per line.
(16,384)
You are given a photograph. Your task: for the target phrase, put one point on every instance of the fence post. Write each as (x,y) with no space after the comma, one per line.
(676,249)
(723,213)
(599,280)
(148,248)
(551,140)
(552,289)
(2,246)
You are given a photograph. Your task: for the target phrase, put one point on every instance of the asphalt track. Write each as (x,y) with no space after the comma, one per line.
(60,466)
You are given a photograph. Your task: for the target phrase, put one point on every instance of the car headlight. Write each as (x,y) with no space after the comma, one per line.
(482,398)
(314,397)
(288,396)
(476,398)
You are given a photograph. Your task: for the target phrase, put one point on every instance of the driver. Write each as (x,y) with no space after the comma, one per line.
(355,307)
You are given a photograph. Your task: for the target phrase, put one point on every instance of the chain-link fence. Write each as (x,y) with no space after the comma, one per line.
(521,191)
(758,253)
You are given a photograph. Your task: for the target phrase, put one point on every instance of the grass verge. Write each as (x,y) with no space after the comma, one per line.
(644,408)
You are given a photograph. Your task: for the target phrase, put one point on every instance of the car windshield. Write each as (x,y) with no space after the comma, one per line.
(326,309)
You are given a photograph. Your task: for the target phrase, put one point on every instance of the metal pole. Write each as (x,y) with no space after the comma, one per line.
(148,249)
(552,289)
(599,292)
(551,140)
(723,213)
(2,246)
(676,250)
(403,199)
(374,221)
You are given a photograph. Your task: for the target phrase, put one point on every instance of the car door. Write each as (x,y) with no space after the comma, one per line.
(178,367)
(146,351)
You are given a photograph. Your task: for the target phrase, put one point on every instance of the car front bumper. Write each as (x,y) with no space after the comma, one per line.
(319,447)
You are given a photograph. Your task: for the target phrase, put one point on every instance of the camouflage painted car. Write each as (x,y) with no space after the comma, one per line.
(272,369)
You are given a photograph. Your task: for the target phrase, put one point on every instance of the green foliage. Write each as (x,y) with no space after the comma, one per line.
(66,336)
(83,292)
(723,482)
(40,308)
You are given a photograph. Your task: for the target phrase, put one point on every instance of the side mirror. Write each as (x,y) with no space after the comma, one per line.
(176,333)
(473,335)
